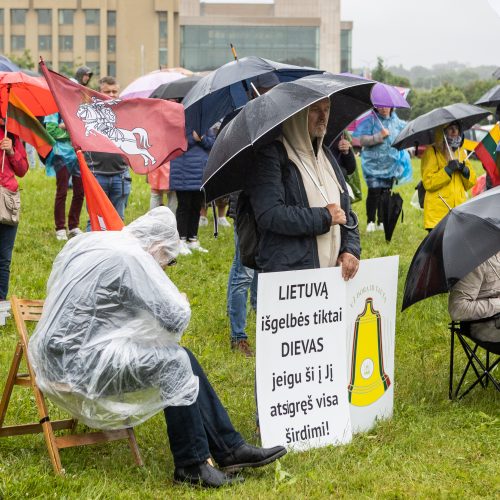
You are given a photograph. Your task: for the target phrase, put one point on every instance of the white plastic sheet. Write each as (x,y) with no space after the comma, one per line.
(106,347)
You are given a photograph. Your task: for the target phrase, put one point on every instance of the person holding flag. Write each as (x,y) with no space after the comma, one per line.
(446,174)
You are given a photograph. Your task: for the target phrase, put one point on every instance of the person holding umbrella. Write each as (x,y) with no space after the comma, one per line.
(379,160)
(292,178)
(14,163)
(446,173)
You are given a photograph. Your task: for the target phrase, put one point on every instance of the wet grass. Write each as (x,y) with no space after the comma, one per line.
(431,448)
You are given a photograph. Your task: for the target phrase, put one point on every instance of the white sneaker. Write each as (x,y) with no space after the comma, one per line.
(203,220)
(223,222)
(370,228)
(380,227)
(183,248)
(61,235)
(195,245)
(74,232)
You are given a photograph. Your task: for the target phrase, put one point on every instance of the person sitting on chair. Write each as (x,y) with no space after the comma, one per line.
(476,299)
(106,348)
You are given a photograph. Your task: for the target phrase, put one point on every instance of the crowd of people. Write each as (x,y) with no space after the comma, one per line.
(106,287)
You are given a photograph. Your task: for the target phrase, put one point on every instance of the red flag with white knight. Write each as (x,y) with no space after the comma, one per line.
(147,132)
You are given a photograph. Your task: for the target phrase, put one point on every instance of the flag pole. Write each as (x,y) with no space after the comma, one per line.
(5,124)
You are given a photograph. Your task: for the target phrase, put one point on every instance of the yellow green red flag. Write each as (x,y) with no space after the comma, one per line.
(22,122)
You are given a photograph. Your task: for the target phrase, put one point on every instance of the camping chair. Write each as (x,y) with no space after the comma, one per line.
(480,364)
(31,310)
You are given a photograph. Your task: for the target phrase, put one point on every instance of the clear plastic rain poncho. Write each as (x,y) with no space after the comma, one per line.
(106,347)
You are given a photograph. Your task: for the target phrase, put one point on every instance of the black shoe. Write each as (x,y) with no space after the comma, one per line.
(250,456)
(204,475)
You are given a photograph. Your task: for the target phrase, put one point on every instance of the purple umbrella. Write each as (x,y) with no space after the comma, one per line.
(385,95)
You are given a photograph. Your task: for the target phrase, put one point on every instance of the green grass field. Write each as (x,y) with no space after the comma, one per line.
(431,448)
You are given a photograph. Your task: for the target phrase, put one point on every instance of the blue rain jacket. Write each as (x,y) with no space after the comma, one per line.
(380,162)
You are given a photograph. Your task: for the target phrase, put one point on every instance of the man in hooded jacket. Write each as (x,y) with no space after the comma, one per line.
(292,179)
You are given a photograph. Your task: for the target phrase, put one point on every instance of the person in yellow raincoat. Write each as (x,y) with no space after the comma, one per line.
(446,174)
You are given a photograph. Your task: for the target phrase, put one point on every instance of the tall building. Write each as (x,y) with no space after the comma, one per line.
(127,38)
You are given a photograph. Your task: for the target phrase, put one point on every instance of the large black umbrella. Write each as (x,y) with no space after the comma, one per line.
(225,89)
(465,238)
(231,157)
(421,130)
(490,98)
(176,89)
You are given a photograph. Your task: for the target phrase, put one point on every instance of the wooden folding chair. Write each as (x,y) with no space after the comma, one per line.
(30,310)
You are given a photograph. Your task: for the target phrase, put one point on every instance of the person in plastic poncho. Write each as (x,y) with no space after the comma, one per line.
(106,348)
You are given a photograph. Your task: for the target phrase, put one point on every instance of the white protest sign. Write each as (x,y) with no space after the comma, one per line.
(301,359)
(370,336)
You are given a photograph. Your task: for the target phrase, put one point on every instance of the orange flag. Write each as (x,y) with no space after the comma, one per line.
(102,213)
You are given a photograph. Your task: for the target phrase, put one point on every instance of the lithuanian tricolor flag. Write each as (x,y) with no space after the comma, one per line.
(486,152)
(22,122)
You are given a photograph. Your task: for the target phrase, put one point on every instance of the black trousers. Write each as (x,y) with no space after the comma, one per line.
(374,209)
(188,213)
(202,429)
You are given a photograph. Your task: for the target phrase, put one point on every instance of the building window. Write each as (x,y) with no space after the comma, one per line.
(1,17)
(65,43)
(44,42)
(18,16)
(92,42)
(112,44)
(91,16)
(94,66)
(66,16)
(163,59)
(1,43)
(18,42)
(345,50)
(111,69)
(163,29)
(207,47)
(44,16)
(111,18)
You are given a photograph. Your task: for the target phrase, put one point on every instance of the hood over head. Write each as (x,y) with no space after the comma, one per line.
(157,234)
(81,72)
(296,131)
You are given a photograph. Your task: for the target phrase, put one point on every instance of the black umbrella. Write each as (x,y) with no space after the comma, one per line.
(465,238)
(225,89)
(491,98)
(392,206)
(258,123)
(421,130)
(176,89)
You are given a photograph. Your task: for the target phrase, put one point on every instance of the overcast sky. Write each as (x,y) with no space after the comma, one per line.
(424,32)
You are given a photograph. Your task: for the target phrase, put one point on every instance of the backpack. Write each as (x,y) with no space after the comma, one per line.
(246,225)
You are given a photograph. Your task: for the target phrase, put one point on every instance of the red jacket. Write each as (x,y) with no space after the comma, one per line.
(13,165)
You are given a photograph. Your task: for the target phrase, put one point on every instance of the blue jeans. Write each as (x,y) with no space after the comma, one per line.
(202,429)
(241,279)
(117,189)
(7,238)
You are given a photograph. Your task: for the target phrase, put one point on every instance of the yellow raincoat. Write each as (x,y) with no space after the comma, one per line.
(437,182)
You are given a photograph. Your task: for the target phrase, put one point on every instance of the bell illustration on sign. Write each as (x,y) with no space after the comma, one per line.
(368,381)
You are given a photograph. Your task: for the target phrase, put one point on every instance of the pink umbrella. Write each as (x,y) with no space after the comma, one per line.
(144,85)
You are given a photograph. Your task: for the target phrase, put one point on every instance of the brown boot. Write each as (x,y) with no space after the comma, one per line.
(242,346)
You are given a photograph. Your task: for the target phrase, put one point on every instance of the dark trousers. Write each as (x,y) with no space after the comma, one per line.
(62,181)
(202,429)
(374,209)
(7,238)
(188,213)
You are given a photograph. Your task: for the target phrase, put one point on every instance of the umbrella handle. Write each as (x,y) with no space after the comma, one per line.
(350,227)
